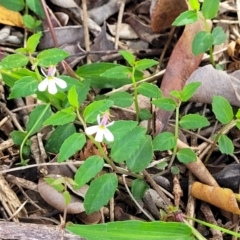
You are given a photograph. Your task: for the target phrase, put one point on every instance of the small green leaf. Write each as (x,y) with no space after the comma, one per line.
(40,114)
(185,18)
(129,57)
(194,4)
(238,125)
(139,187)
(144,114)
(225,144)
(222,109)
(202,42)
(144,64)
(67,197)
(176,94)
(14,5)
(238,114)
(51,57)
(121,99)
(30,22)
(14,61)
(175,170)
(62,117)
(186,155)
(189,90)
(50,181)
(117,72)
(73,97)
(167,104)
(210,8)
(100,191)
(24,87)
(71,145)
(149,90)
(36,6)
(32,42)
(97,107)
(219,36)
(90,168)
(17,137)
(164,141)
(193,121)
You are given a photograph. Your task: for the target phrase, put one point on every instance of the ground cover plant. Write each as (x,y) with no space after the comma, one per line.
(113,145)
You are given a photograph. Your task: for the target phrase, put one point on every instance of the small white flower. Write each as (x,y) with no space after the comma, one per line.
(50,81)
(101,129)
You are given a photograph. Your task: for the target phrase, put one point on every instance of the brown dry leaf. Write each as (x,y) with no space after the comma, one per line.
(125,31)
(216,82)
(11,18)
(93,218)
(220,197)
(165,12)
(233,50)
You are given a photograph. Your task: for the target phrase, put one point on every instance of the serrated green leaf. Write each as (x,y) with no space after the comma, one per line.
(219,36)
(189,90)
(142,157)
(73,97)
(100,191)
(121,99)
(40,114)
(164,141)
(222,109)
(18,136)
(185,18)
(97,107)
(71,145)
(194,4)
(14,5)
(167,104)
(129,230)
(193,121)
(149,90)
(144,114)
(90,168)
(36,6)
(225,144)
(24,87)
(14,61)
(202,42)
(210,8)
(129,57)
(144,64)
(32,42)
(51,57)
(186,155)
(139,187)
(58,136)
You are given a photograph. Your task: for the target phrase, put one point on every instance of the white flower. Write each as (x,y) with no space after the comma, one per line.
(101,129)
(50,81)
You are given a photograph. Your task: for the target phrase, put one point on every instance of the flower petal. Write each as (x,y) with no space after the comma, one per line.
(110,124)
(52,89)
(42,86)
(61,83)
(108,135)
(98,119)
(91,130)
(51,71)
(99,135)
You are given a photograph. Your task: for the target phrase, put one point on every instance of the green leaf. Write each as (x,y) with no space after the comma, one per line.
(194,4)
(18,136)
(167,104)
(186,155)
(149,90)
(90,168)
(62,117)
(219,36)
(14,61)
(71,145)
(185,18)
(225,144)
(202,42)
(210,8)
(51,57)
(175,170)
(222,109)
(40,114)
(50,181)
(58,136)
(73,97)
(14,5)
(121,99)
(67,197)
(238,114)
(189,90)
(117,72)
(129,57)
(33,41)
(129,230)
(24,87)
(139,187)
(144,64)
(97,107)
(36,6)
(164,141)
(30,22)
(100,191)
(144,114)
(142,157)
(238,125)
(176,94)
(193,121)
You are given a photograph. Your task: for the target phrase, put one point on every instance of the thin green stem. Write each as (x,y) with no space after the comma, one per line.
(135,94)
(194,231)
